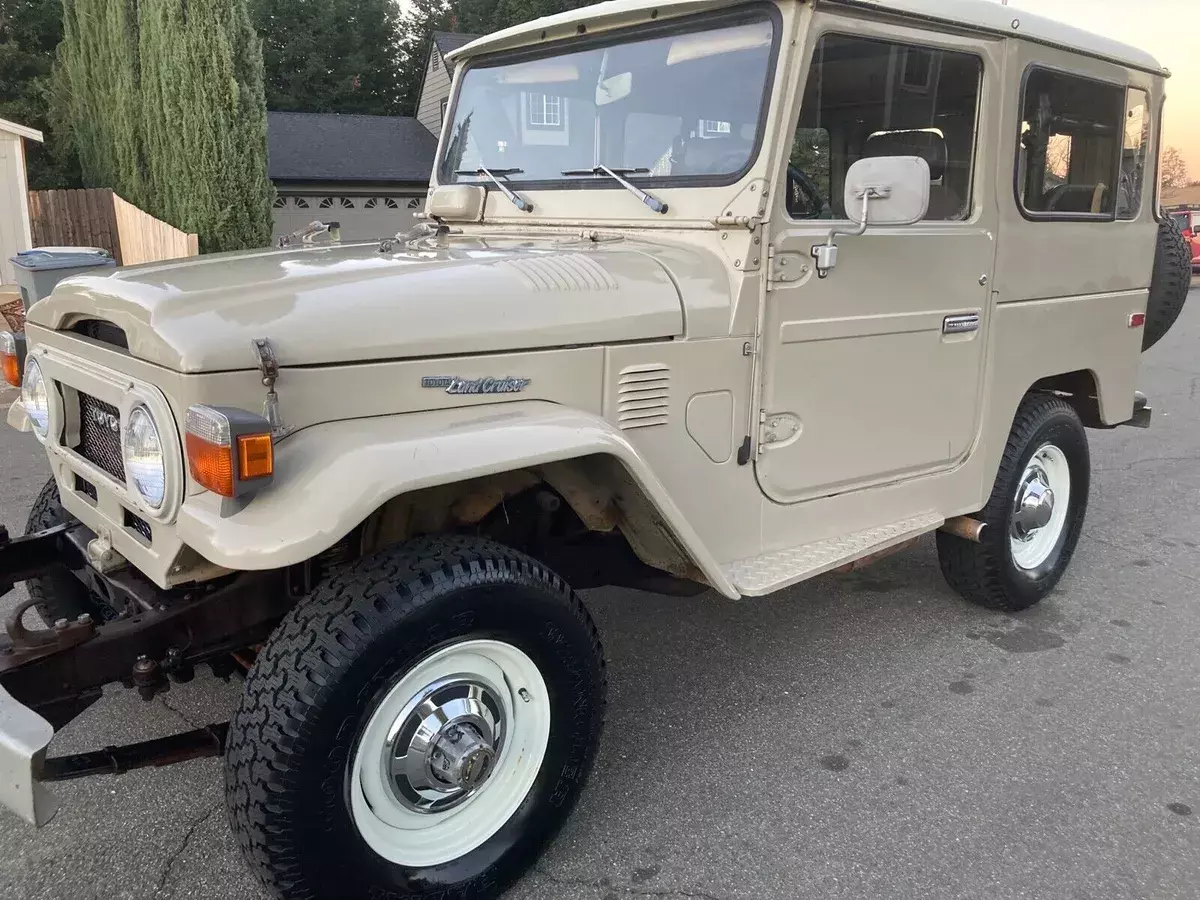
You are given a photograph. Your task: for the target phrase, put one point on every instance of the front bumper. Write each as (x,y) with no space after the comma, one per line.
(48,676)
(24,737)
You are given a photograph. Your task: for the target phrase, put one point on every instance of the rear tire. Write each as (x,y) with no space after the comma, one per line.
(1170,281)
(329,756)
(60,595)
(1020,557)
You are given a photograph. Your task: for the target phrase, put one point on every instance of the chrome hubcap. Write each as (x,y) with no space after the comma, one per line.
(443,745)
(1035,503)
(1040,506)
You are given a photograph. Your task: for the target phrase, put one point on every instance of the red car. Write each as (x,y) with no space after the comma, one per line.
(1189,224)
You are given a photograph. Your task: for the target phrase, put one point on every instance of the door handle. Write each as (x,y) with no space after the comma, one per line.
(960,324)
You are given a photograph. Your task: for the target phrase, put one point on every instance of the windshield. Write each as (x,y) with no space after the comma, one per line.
(682,105)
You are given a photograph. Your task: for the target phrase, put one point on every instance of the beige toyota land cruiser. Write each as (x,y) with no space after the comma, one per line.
(710,295)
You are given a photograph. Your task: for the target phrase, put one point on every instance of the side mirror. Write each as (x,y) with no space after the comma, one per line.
(887,190)
(880,190)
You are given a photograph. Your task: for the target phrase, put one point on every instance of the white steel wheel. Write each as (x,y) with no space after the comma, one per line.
(449,753)
(1040,507)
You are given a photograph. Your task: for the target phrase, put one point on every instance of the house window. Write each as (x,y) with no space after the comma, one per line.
(299,203)
(279,202)
(713,128)
(445,103)
(414,203)
(545,110)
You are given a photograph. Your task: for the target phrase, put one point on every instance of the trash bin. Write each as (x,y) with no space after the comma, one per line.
(40,269)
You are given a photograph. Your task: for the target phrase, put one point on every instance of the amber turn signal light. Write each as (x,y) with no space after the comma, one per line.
(12,357)
(256,456)
(229,451)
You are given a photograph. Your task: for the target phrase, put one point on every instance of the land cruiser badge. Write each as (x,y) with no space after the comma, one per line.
(486,385)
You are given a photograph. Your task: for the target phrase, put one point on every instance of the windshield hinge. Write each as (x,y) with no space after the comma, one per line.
(750,223)
(785,266)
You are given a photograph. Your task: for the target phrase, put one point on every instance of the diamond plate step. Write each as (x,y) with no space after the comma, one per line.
(759,575)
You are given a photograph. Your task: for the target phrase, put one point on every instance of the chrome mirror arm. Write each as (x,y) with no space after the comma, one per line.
(826,254)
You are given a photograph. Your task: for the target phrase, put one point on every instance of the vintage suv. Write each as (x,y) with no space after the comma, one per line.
(711,295)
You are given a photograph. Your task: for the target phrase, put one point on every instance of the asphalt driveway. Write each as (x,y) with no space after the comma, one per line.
(868,736)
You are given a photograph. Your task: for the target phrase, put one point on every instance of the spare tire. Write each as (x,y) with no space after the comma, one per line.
(1169,282)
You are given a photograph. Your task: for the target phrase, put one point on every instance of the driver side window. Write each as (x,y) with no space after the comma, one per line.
(866,98)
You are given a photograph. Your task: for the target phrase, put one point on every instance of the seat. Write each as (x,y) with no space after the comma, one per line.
(944,201)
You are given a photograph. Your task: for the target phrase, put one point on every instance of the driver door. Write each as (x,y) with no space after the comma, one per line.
(873,373)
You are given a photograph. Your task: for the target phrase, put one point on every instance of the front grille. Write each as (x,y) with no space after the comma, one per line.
(99,443)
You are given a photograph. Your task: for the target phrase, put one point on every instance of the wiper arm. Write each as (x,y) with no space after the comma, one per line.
(615,174)
(494,175)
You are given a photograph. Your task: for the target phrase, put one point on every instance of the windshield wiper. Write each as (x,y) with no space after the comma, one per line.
(615,174)
(494,175)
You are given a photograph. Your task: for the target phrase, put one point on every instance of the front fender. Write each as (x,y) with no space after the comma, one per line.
(330,477)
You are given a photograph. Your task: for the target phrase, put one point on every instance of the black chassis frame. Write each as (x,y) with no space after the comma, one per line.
(58,672)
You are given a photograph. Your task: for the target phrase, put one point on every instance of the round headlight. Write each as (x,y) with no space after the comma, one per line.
(35,398)
(144,457)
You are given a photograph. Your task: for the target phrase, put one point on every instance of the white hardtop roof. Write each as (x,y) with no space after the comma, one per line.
(978,15)
(13,128)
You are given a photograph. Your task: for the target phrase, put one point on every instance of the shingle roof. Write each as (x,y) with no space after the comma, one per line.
(449,40)
(334,147)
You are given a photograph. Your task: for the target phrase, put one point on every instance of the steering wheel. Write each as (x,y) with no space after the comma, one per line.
(815,205)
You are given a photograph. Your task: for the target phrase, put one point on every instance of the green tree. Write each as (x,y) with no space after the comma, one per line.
(420,20)
(96,93)
(335,56)
(164,103)
(29,32)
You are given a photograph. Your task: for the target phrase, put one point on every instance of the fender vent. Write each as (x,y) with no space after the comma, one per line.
(643,395)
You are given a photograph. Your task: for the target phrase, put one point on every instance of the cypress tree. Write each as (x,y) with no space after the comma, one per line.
(97,92)
(164,101)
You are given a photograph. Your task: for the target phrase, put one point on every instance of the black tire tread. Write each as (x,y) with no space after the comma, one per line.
(287,676)
(1170,282)
(58,595)
(972,569)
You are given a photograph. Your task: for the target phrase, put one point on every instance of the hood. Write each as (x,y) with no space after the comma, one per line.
(352,303)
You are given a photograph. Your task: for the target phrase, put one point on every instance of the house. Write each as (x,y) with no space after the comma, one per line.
(435,86)
(14,208)
(370,174)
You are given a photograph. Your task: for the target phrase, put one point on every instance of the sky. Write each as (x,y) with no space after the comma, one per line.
(1165,28)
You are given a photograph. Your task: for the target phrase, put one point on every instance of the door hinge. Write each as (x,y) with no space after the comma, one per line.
(784,266)
(776,430)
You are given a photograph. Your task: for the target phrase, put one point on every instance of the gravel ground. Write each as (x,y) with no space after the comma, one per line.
(867,736)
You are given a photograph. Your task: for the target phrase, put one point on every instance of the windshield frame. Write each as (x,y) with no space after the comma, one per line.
(741,15)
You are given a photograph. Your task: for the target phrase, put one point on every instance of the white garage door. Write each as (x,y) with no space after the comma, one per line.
(361,218)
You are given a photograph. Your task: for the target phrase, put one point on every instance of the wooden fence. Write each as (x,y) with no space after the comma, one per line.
(96,217)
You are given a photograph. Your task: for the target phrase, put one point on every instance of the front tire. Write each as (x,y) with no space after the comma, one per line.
(59,595)
(1034,515)
(421,725)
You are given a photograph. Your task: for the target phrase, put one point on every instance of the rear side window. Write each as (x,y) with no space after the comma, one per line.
(1072,135)
(1133,154)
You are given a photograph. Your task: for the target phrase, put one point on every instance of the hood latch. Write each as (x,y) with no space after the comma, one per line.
(268,365)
